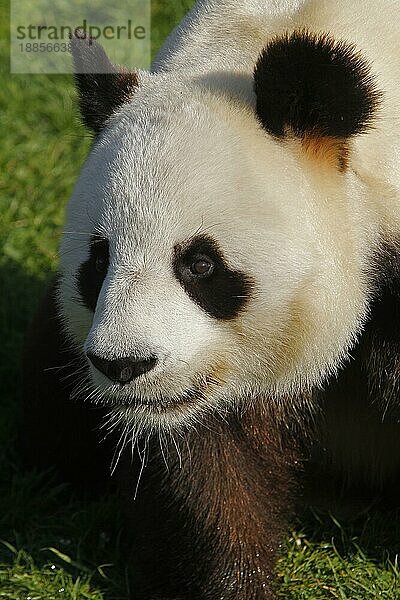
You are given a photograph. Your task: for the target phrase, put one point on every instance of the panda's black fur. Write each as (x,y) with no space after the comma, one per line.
(92,272)
(94,70)
(230,290)
(366,391)
(308,83)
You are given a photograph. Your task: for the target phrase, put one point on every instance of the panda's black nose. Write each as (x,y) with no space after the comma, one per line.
(122,370)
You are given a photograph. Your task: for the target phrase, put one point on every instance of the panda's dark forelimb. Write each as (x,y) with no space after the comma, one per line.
(210,525)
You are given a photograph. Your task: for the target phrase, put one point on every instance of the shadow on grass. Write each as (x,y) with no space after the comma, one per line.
(39,515)
(20,295)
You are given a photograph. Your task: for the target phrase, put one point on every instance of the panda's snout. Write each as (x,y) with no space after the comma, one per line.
(122,370)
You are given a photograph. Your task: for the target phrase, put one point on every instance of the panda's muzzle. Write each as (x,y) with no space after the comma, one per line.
(122,370)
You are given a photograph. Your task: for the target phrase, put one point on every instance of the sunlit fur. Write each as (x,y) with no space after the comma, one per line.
(187,155)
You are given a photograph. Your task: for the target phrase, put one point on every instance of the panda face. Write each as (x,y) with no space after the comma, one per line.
(176,278)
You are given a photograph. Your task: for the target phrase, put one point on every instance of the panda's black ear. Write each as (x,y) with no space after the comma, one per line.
(102,87)
(316,89)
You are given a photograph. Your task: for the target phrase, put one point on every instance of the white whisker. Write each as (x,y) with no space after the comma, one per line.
(144,458)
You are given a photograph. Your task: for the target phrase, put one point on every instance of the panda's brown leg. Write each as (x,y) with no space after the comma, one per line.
(57,431)
(208,527)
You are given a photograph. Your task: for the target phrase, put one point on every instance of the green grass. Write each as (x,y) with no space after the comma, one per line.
(53,545)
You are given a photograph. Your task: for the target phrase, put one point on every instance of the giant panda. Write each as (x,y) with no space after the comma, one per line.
(227,299)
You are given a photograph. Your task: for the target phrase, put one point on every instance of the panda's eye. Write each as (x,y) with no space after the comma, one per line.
(101,264)
(202,267)
(92,273)
(99,255)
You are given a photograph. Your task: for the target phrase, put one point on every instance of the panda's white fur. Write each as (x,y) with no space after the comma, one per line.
(187,155)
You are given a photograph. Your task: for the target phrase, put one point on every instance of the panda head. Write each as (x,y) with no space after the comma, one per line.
(201,264)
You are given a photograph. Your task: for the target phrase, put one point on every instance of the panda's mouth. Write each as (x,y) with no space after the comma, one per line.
(198,394)
(158,404)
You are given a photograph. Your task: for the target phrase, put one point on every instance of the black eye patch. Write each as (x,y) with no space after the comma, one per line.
(202,271)
(92,273)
